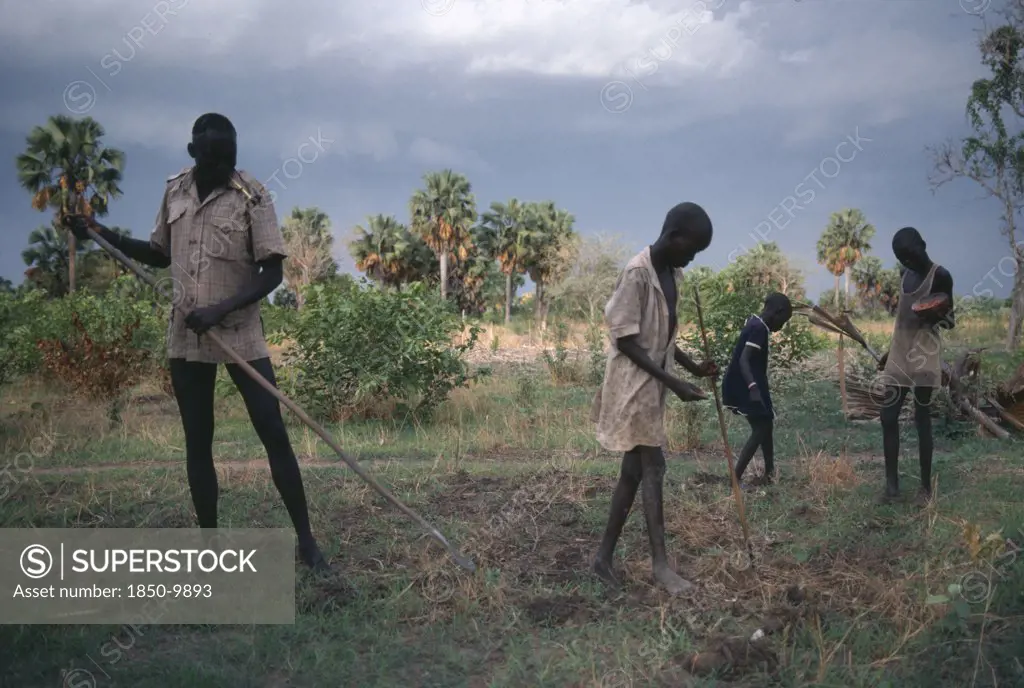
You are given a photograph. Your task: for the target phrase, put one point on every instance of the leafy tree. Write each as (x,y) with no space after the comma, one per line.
(993,157)
(443,213)
(591,278)
(67,168)
(507,232)
(766,267)
(726,309)
(309,243)
(843,243)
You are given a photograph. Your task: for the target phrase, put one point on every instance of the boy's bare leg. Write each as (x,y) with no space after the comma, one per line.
(749,449)
(653,463)
(622,501)
(890,417)
(923,421)
(768,449)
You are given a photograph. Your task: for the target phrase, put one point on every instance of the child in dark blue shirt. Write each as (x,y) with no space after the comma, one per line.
(745,385)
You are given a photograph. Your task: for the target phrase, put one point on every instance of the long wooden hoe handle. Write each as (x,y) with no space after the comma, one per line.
(736,492)
(461,560)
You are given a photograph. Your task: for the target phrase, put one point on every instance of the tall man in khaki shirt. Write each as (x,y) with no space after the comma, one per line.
(217,231)
(629,409)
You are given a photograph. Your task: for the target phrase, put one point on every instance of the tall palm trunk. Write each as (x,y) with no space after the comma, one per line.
(444,273)
(508,297)
(538,306)
(846,281)
(72,248)
(841,357)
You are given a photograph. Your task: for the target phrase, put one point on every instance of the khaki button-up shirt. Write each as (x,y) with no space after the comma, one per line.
(214,247)
(629,409)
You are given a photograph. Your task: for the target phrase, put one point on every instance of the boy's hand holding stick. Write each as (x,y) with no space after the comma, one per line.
(725,435)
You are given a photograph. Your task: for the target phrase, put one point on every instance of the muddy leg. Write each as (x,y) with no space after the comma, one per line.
(653,462)
(622,502)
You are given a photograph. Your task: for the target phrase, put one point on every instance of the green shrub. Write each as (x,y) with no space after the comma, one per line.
(29,318)
(98,346)
(18,311)
(357,351)
(277,320)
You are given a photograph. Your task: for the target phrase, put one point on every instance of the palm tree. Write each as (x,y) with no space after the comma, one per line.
(309,243)
(98,269)
(508,235)
(843,243)
(443,213)
(468,278)
(47,259)
(390,254)
(551,243)
(66,168)
(877,287)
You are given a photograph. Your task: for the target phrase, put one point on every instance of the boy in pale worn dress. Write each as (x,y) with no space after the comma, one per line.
(629,409)
(913,363)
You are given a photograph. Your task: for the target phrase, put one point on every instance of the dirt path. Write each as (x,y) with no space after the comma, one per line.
(248,464)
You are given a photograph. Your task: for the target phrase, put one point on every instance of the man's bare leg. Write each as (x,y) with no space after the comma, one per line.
(653,463)
(622,501)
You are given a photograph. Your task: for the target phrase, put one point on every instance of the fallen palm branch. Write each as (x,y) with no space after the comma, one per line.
(841,325)
(867,398)
(1005,415)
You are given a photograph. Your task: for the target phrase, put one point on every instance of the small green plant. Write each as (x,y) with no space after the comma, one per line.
(562,369)
(495,343)
(526,389)
(694,417)
(597,358)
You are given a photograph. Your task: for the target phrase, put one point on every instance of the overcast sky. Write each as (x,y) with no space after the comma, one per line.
(771,114)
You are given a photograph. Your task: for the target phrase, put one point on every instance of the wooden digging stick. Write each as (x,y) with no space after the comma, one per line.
(725,434)
(462,561)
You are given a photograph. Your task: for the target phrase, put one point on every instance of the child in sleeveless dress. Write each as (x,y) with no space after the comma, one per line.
(745,385)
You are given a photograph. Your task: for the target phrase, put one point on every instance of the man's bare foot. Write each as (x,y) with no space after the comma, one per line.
(891,494)
(312,557)
(671,581)
(603,569)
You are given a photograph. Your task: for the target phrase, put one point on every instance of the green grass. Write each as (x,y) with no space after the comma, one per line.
(510,472)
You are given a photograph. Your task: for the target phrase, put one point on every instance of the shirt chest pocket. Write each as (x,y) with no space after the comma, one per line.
(228,237)
(176,211)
